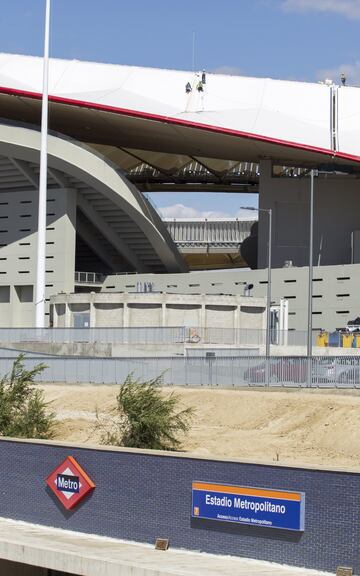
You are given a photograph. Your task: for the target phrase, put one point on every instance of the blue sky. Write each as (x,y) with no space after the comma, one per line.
(290,39)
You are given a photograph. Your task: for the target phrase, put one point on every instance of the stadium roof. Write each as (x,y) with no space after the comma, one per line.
(167,130)
(144,120)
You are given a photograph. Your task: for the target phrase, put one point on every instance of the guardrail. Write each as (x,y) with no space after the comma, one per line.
(88,278)
(226,372)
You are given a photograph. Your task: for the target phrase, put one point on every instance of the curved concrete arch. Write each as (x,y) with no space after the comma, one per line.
(79,162)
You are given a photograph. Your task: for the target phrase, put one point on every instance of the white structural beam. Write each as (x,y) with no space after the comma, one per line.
(41,233)
(109,233)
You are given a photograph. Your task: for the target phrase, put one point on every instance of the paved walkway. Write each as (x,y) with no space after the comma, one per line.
(85,555)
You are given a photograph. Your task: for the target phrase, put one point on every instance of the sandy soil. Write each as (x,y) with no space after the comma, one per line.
(292,427)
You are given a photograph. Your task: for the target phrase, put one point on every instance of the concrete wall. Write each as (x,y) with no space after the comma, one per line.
(159,309)
(18,249)
(335,300)
(336,216)
(110,315)
(140,496)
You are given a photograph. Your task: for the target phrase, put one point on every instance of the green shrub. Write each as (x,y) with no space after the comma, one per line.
(145,418)
(23,410)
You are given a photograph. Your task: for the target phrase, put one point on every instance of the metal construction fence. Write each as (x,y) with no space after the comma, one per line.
(226,372)
(155,335)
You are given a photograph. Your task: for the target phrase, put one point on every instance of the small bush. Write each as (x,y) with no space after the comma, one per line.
(23,410)
(145,418)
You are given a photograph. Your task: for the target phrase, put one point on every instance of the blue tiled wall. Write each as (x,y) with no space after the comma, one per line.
(141,497)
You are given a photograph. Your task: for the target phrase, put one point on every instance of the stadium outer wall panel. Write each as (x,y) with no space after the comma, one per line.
(141,496)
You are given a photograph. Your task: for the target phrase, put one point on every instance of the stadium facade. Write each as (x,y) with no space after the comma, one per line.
(118,131)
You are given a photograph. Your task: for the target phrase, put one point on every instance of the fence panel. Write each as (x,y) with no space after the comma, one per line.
(339,372)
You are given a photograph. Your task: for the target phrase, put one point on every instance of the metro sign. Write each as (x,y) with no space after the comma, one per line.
(70,483)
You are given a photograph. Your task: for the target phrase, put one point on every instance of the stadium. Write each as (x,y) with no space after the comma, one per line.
(118,132)
(131,293)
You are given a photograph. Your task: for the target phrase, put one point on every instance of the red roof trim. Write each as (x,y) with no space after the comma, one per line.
(181,122)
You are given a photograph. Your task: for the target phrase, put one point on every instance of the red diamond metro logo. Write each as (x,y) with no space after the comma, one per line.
(70,483)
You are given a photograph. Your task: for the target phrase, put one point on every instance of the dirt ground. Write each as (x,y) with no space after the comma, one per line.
(308,427)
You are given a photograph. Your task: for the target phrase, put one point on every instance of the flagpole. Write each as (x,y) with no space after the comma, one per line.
(41,232)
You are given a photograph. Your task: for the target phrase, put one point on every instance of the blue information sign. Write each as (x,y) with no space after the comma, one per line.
(244,505)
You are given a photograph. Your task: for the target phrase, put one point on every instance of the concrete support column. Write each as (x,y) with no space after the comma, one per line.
(126,314)
(265,169)
(67,315)
(54,316)
(202,313)
(237,324)
(163,314)
(265,202)
(92,311)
